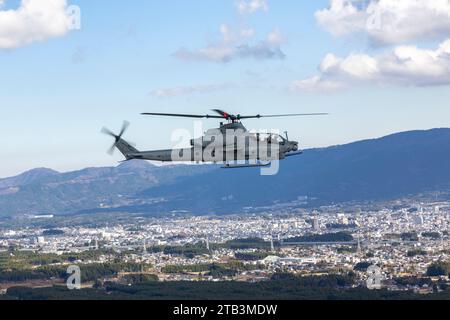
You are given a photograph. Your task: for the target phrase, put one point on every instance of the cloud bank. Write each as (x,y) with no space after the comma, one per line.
(396,24)
(251,6)
(403,65)
(237,45)
(388,22)
(33,21)
(188,90)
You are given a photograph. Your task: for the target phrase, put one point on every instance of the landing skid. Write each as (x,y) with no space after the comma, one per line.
(240,166)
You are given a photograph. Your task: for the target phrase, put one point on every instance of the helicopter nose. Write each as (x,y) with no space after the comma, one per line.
(295,146)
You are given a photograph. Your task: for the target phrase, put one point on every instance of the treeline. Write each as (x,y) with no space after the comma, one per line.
(192,250)
(280,287)
(328,281)
(216,270)
(413,236)
(89,272)
(52,232)
(441,268)
(431,235)
(188,250)
(140,278)
(23,260)
(416,252)
(188,268)
(250,243)
(341,226)
(251,256)
(409,236)
(347,249)
(414,281)
(326,237)
(362,266)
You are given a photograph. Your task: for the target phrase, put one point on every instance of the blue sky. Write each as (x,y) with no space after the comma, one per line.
(57,91)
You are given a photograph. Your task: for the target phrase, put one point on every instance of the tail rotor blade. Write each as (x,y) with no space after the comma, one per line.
(108,132)
(117,138)
(125,126)
(112,149)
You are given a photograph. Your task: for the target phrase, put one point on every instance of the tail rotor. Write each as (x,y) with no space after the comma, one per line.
(117,138)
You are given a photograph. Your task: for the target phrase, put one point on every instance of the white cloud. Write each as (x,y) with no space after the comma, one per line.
(230,36)
(219,53)
(341,18)
(247,33)
(276,37)
(188,90)
(222,53)
(388,21)
(226,33)
(262,51)
(403,65)
(33,21)
(315,83)
(236,45)
(252,6)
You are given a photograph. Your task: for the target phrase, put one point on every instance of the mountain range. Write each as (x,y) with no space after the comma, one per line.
(401,164)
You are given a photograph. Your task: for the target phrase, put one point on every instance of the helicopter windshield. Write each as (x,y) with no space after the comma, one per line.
(269,138)
(276,138)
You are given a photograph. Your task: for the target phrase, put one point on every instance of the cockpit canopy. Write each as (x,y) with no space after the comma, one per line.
(269,137)
(215,136)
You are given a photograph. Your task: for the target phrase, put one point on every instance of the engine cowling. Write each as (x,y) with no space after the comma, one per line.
(215,140)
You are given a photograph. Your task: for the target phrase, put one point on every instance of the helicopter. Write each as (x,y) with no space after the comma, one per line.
(230,144)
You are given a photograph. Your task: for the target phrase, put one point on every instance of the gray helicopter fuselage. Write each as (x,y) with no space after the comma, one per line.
(221,145)
(199,155)
(230,142)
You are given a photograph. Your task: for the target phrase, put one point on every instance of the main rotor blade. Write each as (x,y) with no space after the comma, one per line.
(224,114)
(197,116)
(283,115)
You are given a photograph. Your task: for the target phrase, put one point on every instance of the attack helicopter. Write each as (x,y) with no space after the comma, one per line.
(230,144)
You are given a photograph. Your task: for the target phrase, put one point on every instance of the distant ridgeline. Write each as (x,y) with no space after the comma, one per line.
(398,165)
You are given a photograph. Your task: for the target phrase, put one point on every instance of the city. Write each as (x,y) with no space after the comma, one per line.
(404,241)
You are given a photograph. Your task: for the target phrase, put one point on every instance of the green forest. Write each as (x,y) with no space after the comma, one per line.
(280,287)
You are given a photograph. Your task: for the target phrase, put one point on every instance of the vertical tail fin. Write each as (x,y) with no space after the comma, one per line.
(126,149)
